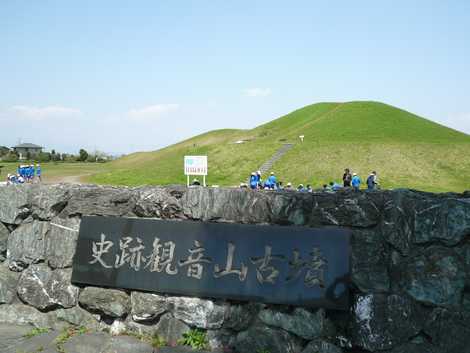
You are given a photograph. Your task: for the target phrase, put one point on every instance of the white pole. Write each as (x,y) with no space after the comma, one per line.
(204,180)
(188,180)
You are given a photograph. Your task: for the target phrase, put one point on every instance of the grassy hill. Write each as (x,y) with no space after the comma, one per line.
(405,149)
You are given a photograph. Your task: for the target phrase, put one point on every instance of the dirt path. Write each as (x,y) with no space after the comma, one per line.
(69,179)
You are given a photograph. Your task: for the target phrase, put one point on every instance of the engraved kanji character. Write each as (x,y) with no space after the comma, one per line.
(162,257)
(315,269)
(122,258)
(265,272)
(136,255)
(100,248)
(194,260)
(131,255)
(228,270)
(296,265)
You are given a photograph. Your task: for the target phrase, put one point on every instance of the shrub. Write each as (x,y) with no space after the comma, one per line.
(43,157)
(10,157)
(195,338)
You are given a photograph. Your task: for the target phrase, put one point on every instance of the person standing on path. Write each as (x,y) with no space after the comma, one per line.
(347,178)
(372,181)
(38,171)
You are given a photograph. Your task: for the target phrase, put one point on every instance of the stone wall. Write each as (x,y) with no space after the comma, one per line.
(410,268)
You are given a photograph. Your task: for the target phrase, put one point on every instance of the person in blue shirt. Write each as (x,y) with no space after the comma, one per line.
(38,171)
(253,181)
(30,173)
(267,184)
(335,186)
(356,182)
(272,181)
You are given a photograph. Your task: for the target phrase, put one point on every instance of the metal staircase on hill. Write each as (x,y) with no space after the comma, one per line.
(266,167)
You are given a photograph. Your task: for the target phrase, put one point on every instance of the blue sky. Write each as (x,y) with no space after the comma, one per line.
(123,76)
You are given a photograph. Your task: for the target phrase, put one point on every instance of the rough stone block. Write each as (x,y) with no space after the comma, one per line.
(8,283)
(446,221)
(171,329)
(449,329)
(158,202)
(46,201)
(26,245)
(436,276)
(14,203)
(197,312)
(147,306)
(258,338)
(347,209)
(369,261)
(226,204)
(110,302)
(44,289)
(20,314)
(382,322)
(90,200)
(238,317)
(77,316)
(4,233)
(300,322)
(61,242)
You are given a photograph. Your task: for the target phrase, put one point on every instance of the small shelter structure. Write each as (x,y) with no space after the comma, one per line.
(24,148)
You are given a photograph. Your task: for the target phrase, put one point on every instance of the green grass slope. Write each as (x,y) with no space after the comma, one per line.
(405,149)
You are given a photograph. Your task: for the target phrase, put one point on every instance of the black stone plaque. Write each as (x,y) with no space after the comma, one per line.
(272,264)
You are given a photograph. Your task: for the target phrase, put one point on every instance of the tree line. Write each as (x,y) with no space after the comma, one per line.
(83,155)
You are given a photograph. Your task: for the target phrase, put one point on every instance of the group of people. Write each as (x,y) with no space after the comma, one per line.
(269,184)
(350,180)
(25,174)
(354,180)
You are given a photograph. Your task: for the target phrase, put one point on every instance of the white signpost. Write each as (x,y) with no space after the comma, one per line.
(195,165)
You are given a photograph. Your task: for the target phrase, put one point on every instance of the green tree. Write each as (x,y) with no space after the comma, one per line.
(10,157)
(4,151)
(55,156)
(83,155)
(44,157)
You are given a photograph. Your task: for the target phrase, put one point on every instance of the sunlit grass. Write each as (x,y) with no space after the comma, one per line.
(407,151)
